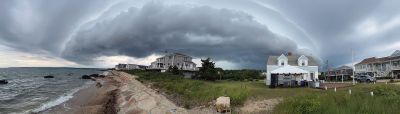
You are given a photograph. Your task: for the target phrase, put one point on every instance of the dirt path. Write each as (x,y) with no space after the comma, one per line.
(136,98)
(260,106)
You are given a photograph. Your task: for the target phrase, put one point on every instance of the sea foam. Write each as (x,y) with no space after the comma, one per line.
(61,99)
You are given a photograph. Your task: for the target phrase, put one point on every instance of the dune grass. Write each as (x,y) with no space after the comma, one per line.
(386,99)
(198,92)
(191,93)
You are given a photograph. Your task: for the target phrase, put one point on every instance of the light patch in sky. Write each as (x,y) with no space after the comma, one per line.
(371,27)
(12,58)
(390,47)
(221,64)
(110,61)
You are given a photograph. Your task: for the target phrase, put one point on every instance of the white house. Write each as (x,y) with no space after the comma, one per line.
(380,67)
(290,70)
(129,66)
(182,61)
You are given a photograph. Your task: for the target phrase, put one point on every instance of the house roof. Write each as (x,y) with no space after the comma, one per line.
(368,60)
(173,54)
(395,53)
(377,60)
(343,68)
(292,60)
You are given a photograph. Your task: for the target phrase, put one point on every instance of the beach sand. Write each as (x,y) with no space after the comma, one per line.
(120,93)
(136,98)
(91,100)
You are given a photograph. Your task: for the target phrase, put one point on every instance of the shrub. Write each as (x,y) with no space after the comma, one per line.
(242,75)
(304,104)
(382,90)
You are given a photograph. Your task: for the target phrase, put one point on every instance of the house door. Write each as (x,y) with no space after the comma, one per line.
(274,80)
(312,76)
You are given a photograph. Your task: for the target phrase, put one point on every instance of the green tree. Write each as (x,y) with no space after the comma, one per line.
(174,70)
(207,71)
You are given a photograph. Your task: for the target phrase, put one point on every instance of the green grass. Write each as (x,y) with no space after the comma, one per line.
(386,100)
(296,100)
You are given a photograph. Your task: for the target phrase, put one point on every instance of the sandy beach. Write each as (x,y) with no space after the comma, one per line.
(120,93)
(91,100)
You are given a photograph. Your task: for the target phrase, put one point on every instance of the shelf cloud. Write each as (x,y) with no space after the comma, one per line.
(199,31)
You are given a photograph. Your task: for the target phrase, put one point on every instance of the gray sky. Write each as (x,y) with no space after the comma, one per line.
(234,33)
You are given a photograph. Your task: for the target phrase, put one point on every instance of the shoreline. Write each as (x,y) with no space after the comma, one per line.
(120,93)
(61,100)
(90,100)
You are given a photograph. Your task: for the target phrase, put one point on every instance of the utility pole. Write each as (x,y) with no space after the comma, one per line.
(354,67)
(327,69)
(342,75)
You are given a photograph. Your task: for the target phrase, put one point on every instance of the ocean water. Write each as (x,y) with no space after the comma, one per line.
(27,91)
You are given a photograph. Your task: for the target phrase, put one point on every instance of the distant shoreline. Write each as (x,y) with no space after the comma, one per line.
(56,67)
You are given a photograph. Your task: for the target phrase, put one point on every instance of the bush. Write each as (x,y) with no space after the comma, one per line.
(382,90)
(304,104)
(242,75)
(174,70)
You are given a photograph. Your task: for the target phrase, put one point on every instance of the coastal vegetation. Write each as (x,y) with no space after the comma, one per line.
(242,75)
(210,83)
(174,70)
(190,93)
(386,99)
(207,71)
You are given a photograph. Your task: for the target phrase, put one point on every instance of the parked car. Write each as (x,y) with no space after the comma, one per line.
(366,78)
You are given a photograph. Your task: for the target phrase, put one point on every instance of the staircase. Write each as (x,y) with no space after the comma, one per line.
(396,68)
(384,73)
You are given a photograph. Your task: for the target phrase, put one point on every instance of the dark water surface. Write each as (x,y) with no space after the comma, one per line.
(27,90)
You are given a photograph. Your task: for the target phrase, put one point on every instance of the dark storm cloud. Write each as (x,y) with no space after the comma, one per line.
(242,32)
(200,31)
(42,25)
(333,25)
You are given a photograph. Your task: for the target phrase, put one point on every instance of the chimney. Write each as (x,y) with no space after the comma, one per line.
(289,53)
